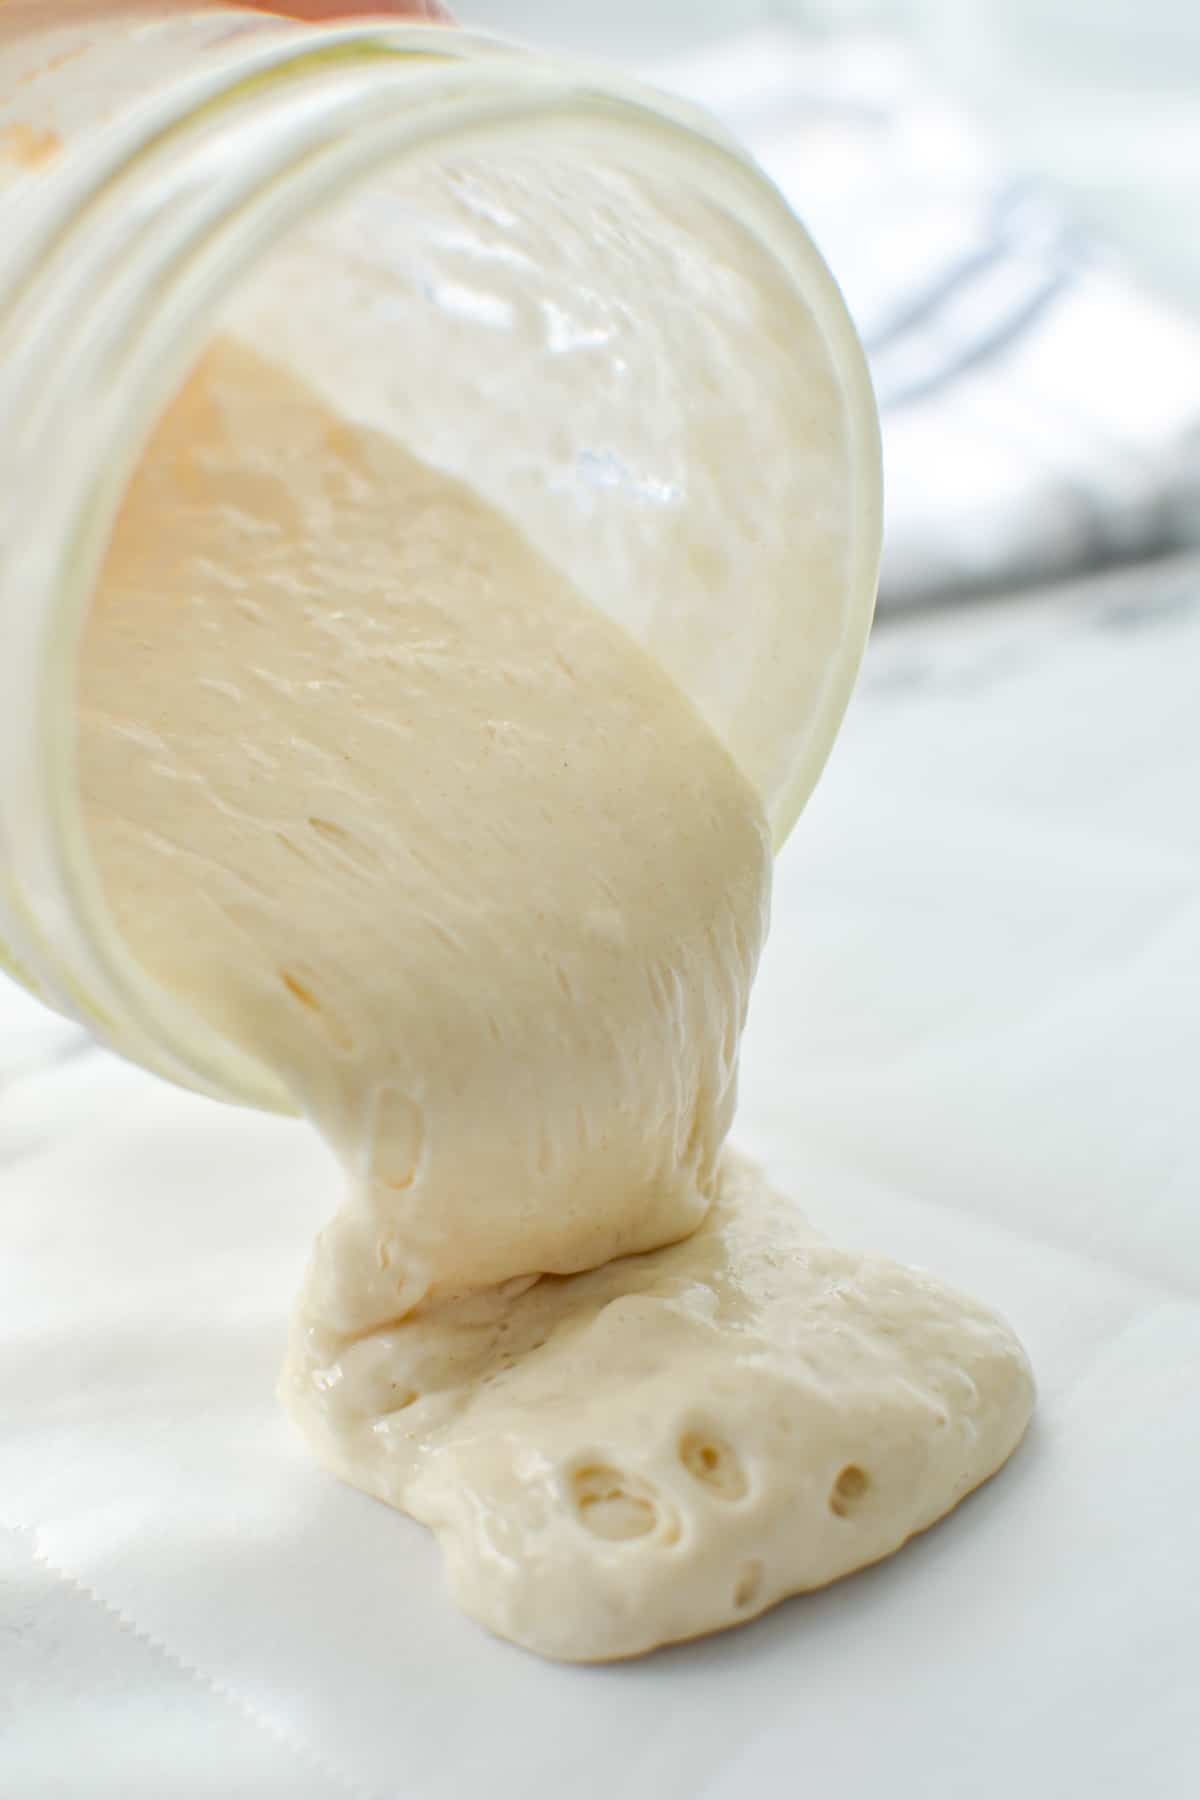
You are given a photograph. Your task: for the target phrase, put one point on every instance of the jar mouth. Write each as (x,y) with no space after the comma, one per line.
(324,138)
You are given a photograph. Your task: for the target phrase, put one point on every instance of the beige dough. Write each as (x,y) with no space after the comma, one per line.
(674,1441)
(372,789)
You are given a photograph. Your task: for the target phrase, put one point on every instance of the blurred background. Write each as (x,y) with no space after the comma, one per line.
(1102,95)
(1009,193)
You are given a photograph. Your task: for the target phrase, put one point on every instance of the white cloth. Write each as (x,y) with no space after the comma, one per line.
(1041,412)
(974,1045)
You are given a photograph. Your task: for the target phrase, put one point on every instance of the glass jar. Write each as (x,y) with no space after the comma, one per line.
(573,292)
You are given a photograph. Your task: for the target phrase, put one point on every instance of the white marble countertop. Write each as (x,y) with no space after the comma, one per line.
(975,1044)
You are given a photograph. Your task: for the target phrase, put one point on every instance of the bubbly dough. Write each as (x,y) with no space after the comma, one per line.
(674,1441)
(371,788)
